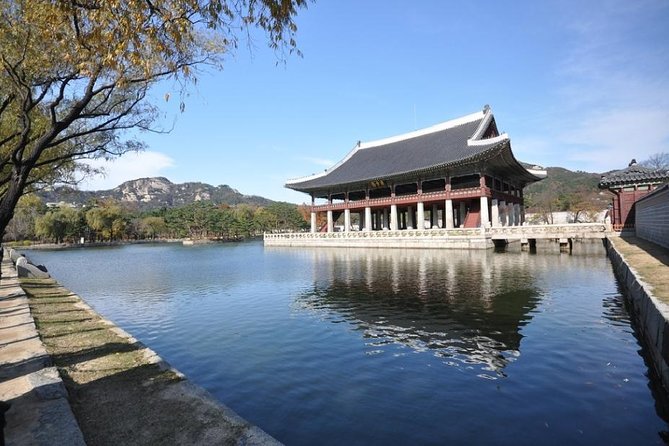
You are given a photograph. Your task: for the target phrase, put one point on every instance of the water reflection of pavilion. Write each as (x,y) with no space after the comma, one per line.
(467,307)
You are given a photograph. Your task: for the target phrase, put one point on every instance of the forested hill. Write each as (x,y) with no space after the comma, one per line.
(564,189)
(154,193)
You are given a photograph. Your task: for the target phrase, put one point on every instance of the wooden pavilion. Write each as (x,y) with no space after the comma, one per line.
(457,174)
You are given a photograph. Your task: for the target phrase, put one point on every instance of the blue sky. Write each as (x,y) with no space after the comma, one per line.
(578,84)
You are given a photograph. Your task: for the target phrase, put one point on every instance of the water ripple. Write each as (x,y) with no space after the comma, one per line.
(382,346)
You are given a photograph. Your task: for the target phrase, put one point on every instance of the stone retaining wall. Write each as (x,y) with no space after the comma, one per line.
(652,217)
(649,313)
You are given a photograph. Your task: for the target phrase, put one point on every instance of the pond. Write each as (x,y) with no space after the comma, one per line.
(362,346)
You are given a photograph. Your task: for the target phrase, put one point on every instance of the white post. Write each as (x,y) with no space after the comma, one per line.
(420,216)
(516,209)
(385,218)
(495,213)
(485,216)
(330,222)
(313,222)
(410,218)
(347,220)
(448,214)
(502,213)
(393,217)
(510,213)
(434,217)
(463,213)
(368,219)
(522,214)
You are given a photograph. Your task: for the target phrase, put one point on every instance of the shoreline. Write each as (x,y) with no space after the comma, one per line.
(64,246)
(642,268)
(119,390)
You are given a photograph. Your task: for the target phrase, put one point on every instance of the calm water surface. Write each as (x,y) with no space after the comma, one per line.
(350,346)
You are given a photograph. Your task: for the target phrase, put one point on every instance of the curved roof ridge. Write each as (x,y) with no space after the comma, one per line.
(326,171)
(425,131)
(485,122)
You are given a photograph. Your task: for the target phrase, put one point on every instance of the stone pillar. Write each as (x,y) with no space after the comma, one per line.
(463,213)
(502,213)
(410,218)
(347,220)
(393,218)
(485,217)
(522,214)
(448,214)
(516,211)
(313,222)
(434,216)
(420,216)
(368,219)
(512,214)
(361,220)
(330,222)
(385,218)
(494,213)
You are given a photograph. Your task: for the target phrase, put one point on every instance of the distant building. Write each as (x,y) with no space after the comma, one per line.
(629,185)
(460,173)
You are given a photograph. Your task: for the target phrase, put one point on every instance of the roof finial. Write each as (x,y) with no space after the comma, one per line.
(486,108)
(632,163)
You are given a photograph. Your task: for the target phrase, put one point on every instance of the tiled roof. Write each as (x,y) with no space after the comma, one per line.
(633,174)
(449,143)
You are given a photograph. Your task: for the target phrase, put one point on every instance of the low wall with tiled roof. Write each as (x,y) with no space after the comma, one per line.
(652,216)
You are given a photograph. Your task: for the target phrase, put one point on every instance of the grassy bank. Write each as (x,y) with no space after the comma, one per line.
(650,261)
(119,390)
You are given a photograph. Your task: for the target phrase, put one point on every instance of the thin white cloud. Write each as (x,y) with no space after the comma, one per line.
(612,101)
(318,161)
(128,167)
(611,138)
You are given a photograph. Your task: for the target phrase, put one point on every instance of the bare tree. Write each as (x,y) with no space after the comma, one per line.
(657,161)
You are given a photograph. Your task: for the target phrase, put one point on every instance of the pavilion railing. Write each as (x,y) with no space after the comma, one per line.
(456,232)
(586,230)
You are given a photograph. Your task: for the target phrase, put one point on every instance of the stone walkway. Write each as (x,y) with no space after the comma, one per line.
(649,261)
(120,392)
(40,413)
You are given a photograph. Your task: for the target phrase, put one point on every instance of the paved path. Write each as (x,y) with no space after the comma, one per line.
(40,413)
(649,261)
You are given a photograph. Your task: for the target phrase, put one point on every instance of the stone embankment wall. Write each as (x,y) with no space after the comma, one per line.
(652,217)
(651,315)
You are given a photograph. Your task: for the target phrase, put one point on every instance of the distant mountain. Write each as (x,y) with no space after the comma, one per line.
(153,193)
